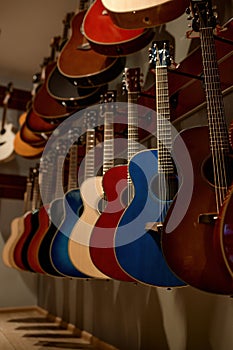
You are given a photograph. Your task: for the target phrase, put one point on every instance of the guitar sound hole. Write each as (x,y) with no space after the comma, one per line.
(164,186)
(223,179)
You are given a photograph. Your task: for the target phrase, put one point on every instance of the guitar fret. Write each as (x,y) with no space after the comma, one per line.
(164,143)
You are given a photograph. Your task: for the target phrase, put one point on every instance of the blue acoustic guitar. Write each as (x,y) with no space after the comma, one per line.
(72,206)
(138,235)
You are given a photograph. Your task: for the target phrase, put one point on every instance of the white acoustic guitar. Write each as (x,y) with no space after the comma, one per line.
(131,14)
(92,194)
(7,135)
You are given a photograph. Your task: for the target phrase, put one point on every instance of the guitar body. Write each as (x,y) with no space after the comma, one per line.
(64,91)
(137,249)
(38,125)
(223,233)
(91,192)
(108,39)
(59,247)
(56,214)
(31,138)
(17,228)
(44,105)
(102,236)
(7,137)
(34,244)
(84,66)
(19,259)
(28,239)
(187,242)
(132,14)
(25,150)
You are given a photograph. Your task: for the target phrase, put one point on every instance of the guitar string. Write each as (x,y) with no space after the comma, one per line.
(216,125)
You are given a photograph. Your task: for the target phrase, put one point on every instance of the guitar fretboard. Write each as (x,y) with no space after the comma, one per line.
(90,155)
(164,138)
(108,153)
(218,134)
(73,161)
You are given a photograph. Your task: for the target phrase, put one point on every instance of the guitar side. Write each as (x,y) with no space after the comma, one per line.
(84,66)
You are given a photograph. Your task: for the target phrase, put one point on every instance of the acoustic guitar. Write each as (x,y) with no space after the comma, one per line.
(55,213)
(24,149)
(44,105)
(72,206)
(81,64)
(7,135)
(17,227)
(187,235)
(62,89)
(32,244)
(108,39)
(137,236)
(91,193)
(131,14)
(118,191)
(30,225)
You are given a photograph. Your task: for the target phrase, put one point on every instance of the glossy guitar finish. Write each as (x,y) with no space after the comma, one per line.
(108,39)
(72,206)
(187,243)
(84,66)
(137,248)
(132,14)
(59,246)
(91,192)
(102,236)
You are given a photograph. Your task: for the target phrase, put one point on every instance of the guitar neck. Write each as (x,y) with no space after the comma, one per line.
(164,137)
(90,157)
(72,178)
(108,153)
(133,145)
(215,107)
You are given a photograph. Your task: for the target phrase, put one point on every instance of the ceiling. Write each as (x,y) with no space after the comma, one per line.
(27,27)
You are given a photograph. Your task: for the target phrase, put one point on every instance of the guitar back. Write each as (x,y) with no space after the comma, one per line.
(108,39)
(83,65)
(132,14)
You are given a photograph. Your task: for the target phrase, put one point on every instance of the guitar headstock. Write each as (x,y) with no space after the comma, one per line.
(203,15)
(159,54)
(73,135)
(8,93)
(90,119)
(132,80)
(107,101)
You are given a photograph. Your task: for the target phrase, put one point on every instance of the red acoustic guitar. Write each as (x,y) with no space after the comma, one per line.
(187,238)
(80,63)
(108,39)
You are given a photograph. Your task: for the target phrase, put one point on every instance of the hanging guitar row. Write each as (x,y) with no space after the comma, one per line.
(161,217)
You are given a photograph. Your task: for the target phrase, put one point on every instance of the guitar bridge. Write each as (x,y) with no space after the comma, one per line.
(207,218)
